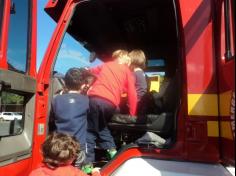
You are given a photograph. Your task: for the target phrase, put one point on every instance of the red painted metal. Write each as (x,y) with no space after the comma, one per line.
(226,72)
(3,45)
(43,82)
(199,49)
(21,168)
(198,29)
(32,69)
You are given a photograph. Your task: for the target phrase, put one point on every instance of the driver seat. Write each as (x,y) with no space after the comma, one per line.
(161,118)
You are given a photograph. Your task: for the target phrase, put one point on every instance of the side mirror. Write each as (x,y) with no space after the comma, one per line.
(92,57)
(13,8)
(4,85)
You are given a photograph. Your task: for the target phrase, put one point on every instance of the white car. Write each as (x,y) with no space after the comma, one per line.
(10,115)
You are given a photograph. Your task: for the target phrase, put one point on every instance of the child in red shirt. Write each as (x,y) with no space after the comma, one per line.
(59,151)
(113,79)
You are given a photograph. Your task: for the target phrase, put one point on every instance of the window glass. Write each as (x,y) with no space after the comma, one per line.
(73,54)
(11,113)
(18,35)
(1,18)
(155,62)
(155,73)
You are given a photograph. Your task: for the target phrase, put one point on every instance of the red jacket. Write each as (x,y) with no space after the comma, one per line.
(60,171)
(113,79)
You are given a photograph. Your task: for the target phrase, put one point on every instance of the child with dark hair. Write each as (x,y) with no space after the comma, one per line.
(69,110)
(89,80)
(59,151)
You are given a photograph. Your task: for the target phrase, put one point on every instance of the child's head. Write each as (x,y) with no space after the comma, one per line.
(73,79)
(138,59)
(59,149)
(89,79)
(76,78)
(121,56)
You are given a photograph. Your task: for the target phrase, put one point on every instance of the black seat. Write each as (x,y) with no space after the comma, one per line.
(58,83)
(159,117)
(161,124)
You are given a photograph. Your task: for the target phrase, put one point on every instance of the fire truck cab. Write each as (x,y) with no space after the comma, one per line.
(190,51)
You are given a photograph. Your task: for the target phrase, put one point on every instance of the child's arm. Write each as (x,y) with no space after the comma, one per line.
(96,172)
(96,70)
(132,94)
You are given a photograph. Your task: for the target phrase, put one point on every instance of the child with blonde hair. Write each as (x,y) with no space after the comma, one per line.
(138,61)
(113,78)
(59,151)
(122,57)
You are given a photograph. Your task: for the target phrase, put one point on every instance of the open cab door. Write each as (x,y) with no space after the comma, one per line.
(17,85)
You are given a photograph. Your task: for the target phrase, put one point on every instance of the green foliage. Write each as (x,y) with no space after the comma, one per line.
(11,98)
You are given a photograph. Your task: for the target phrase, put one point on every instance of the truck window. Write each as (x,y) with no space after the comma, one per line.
(1,18)
(17,100)
(72,54)
(18,36)
(11,116)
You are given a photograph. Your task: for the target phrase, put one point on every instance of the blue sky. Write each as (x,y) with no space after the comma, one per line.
(71,53)
(45,29)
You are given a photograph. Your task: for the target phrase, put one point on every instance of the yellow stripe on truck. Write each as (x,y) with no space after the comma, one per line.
(226,130)
(213,129)
(207,105)
(225,100)
(203,104)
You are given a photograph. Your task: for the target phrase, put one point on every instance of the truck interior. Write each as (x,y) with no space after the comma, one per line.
(102,26)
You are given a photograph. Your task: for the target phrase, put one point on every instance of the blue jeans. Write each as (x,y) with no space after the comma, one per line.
(100,113)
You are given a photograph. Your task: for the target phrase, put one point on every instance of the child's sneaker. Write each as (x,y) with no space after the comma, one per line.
(111,153)
(87,168)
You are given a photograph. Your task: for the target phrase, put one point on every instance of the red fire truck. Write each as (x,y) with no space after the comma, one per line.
(190,42)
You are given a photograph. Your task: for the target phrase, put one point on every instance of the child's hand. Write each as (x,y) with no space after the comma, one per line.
(96,170)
